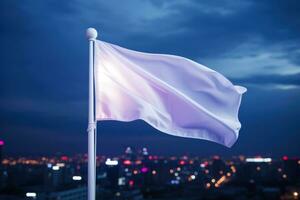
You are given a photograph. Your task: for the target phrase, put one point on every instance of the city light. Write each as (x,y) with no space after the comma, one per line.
(77,178)
(138,162)
(204,164)
(145,151)
(128,150)
(121,181)
(127,162)
(284,176)
(279,170)
(1,142)
(60,164)
(182,162)
(175,182)
(216,157)
(221,180)
(258,168)
(233,169)
(131,183)
(110,162)
(144,170)
(137,171)
(64,158)
(258,160)
(207,185)
(55,168)
(31,194)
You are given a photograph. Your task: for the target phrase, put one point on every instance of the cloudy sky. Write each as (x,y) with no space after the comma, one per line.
(44,70)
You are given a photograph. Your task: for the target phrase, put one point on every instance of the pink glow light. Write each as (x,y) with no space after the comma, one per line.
(144,169)
(182,162)
(131,183)
(1,142)
(127,162)
(64,158)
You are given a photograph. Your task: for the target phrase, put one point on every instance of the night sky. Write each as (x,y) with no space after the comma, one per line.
(44,70)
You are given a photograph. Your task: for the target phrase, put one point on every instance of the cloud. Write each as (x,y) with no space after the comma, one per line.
(281,82)
(252,58)
(271,86)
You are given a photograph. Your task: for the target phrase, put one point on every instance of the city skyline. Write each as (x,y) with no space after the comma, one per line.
(138,174)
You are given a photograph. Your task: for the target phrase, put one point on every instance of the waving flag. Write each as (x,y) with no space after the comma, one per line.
(173,94)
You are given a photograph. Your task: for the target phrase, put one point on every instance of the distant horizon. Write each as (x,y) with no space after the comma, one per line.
(157,153)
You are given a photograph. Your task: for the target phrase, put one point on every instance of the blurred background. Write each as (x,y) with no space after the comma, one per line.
(44,92)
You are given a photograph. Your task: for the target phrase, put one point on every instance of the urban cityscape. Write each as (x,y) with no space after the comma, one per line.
(138,175)
(136,75)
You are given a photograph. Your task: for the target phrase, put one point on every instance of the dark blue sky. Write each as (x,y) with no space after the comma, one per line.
(44,70)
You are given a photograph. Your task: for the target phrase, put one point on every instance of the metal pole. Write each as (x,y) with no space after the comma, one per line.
(91,35)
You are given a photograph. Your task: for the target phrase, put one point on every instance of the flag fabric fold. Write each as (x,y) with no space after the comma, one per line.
(173,94)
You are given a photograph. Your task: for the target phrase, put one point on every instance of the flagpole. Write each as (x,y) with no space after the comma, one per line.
(91,35)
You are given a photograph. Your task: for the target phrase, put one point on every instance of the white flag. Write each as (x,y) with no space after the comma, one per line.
(173,94)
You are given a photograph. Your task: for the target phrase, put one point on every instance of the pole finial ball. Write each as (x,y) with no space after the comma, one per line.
(91,33)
